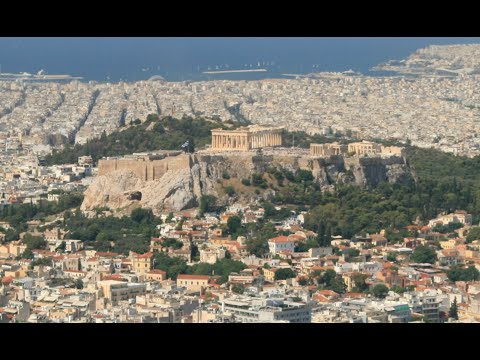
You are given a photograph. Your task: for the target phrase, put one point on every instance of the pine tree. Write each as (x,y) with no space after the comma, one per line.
(453,312)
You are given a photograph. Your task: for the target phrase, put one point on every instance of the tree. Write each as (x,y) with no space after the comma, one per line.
(380,291)
(331,281)
(62,246)
(424,254)
(283,274)
(27,254)
(303,281)
(140,215)
(34,242)
(457,273)
(234,223)
(473,234)
(238,288)
(172,243)
(246,182)
(453,312)
(229,190)
(79,284)
(351,252)
(391,257)
(207,203)
(359,280)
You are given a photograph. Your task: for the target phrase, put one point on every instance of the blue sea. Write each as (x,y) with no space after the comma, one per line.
(180,59)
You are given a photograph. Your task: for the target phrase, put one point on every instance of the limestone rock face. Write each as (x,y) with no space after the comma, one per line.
(174,191)
(179,189)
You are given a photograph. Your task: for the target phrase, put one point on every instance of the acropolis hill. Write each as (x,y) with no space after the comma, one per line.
(173,180)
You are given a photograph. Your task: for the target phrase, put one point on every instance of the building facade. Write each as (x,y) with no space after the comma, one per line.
(328,149)
(280,243)
(193,282)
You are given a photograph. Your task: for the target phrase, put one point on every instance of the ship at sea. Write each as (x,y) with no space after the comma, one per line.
(259,66)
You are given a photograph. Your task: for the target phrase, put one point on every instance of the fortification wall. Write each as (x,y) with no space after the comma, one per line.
(144,169)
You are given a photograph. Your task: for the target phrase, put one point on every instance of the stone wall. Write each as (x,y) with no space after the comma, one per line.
(177,183)
(145,170)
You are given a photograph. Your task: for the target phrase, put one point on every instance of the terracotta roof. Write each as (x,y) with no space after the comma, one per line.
(327,292)
(280,239)
(156,271)
(7,279)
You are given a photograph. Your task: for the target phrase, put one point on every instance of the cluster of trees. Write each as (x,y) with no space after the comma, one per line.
(18,214)
(283,274)
(126,233)
(424,254)
(380,291)
(457,273)
(273,214)
(443,183)
(172,243)
(330,280)
(166,133)
(33,243)
(447,229)
(473,234)
(207,204)
(177,265)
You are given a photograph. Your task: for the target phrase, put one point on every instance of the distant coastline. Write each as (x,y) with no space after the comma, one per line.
(233,71)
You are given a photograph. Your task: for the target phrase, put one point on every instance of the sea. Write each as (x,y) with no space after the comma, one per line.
(187,58)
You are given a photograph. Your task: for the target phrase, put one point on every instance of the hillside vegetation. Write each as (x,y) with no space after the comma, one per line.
(155,133)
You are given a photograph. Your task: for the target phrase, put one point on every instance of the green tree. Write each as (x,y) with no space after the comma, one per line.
(283,274)
(229,190)
(453,311)
(391,257)
(79,284)
(424,254)
(246,182)
(140,215)
(34,242)
(234,223)
(360,284)
(207,203)
(172,243)
(238,288)
(473,234)
(380,291)
(61,247)
(457,273)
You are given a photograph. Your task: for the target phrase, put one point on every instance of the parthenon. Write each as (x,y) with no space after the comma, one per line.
(246,138)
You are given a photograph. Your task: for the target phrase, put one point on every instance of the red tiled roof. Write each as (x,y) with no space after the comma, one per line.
(156,271)
(7,279)
(327,292)
(280,239)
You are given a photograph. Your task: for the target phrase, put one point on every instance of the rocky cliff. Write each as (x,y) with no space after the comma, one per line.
(180,189)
